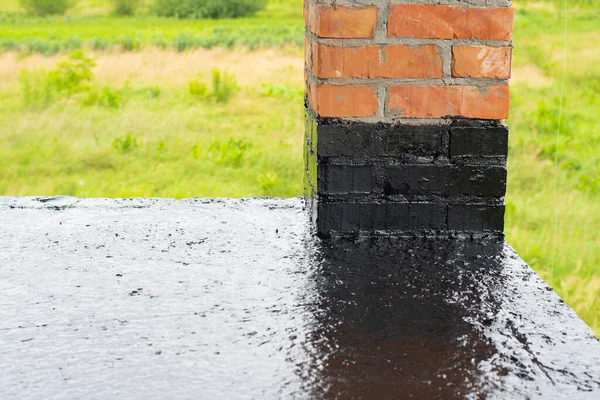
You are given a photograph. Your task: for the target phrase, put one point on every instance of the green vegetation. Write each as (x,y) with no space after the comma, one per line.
(46,7)
(41,88)
(148,133)
(569,260)
(164,146)
(224,88)
(125,8)
(276,26)
(199,9)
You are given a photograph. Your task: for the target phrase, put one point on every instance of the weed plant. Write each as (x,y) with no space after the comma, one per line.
(224,88)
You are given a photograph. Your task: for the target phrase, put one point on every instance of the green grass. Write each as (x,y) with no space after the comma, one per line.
(166,146)
(171,140)
(279,25)
(569,260)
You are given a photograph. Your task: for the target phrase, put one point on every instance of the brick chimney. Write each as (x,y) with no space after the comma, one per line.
(405,103)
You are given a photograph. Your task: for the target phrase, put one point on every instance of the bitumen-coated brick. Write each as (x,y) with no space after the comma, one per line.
(368,177)
(392,217)
(478,141)
(377,140)
(476,218)
(479,180)
(350,140)
(421,140)
(337,179)
(416,180)
(444,180)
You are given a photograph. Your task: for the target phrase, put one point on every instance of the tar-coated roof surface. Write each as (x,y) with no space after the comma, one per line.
(235,299)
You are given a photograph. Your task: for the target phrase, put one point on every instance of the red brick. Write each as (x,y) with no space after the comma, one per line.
(392,61)
(443,101)
(342,22)
(481,62)
(447,22)
(342,101)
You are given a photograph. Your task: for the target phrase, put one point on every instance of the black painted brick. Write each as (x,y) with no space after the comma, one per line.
(368,217)
(419,140)
(476,218)
(428,216)
(374,177)
(479,141)
(335,178)
(410,179)
(444,180)
(349,140)
(338,179)
(363,179)
(381,140)
(480,180)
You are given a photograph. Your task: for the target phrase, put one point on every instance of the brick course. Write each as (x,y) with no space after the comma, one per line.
(386,61)
(438,21)
(389,47)
(454,101)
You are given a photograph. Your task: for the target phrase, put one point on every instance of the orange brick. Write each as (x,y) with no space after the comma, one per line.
(481,62)
(447,22)
(448,101)
(392,61)
(342,101)
(342,22)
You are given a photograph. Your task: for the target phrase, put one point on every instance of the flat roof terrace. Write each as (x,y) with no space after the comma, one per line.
(154,299)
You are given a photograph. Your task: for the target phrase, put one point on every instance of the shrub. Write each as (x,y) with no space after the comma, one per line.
(125,144)
(70,76)
(125,8)
(224,88)
(207,8)
(47,7)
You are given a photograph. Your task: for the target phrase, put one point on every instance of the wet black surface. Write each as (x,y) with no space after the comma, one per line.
(237,299)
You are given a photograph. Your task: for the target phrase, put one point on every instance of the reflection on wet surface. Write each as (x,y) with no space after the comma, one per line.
(392,318)
(156,299)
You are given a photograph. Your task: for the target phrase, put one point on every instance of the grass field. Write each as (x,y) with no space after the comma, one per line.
(145,133)
(101,31)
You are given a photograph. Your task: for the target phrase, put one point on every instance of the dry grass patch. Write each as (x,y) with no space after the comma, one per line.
(530,75)
(170,68)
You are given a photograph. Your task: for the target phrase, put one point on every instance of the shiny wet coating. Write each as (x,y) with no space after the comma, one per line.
(153,299)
